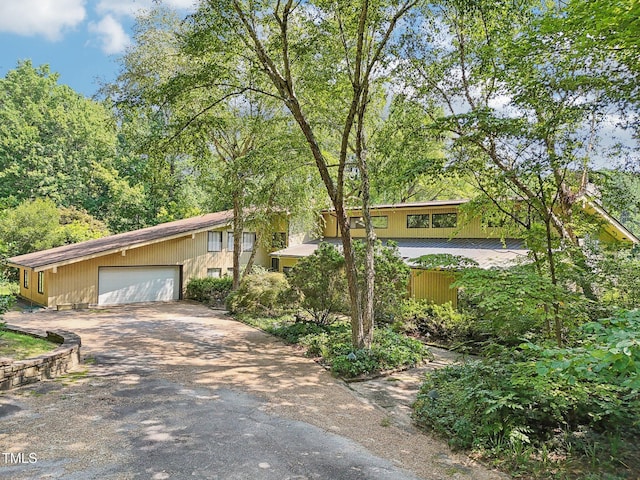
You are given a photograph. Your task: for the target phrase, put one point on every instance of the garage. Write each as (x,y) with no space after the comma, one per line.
(117,285)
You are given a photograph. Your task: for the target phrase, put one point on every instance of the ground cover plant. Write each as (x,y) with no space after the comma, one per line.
(546,411)
(331,344)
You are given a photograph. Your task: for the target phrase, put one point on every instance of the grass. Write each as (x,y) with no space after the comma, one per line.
(19,347)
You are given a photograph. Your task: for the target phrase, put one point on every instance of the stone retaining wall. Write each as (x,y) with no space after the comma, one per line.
(48,365)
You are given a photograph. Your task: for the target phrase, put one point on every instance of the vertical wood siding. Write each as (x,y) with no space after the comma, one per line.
(397,225)
(31,293)
(78,282)
(434,286)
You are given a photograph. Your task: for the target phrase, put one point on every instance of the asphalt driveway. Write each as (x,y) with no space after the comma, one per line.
(177,390)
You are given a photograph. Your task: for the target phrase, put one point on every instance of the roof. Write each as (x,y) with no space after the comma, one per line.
(487,252)
(77,252)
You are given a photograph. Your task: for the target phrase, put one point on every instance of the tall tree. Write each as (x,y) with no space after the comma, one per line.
(325,62)
(236,147)
(522,112)
(56,144)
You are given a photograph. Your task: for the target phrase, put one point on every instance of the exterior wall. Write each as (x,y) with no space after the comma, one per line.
(431,285)
(287,262)
(434,286)
(397,225)
(31,293)
(78,282)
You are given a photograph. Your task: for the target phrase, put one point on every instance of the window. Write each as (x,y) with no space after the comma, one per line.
(275,264)
(444,220)
(279,240)
(214,272)
(418,221)
(25,281)
(230,272)
(286,270)
(214,242)
(40,282)
(248,241)
(378,221)
(230,241)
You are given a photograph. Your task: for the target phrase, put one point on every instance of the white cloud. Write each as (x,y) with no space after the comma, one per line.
(130,8)
(40,17)
(111,35)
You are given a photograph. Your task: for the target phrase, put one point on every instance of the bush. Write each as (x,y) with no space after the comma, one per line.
(259,293)
(211,291)
(441,322)
(389,351)
(538,391)
(320,280)
(391,279)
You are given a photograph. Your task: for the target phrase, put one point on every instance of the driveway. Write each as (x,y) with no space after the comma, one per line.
(173,391)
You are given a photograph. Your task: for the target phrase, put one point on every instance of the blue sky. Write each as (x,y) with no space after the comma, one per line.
(79,39)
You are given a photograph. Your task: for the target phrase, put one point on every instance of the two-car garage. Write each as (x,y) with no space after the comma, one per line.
(118,285)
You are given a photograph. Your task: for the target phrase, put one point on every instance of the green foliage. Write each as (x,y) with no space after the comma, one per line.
(259,293)
(444,260)
(438,322)
(57,144)
(39,224)
(212,291)
(389,350)
(529,396)
(618,276)
(321,282)
(6,302)
(516,302)
(391,278)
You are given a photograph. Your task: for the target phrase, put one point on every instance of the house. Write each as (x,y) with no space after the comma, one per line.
(155,263)
(150,264)
(436,227)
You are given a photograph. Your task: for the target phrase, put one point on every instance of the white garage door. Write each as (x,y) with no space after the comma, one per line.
(138,284)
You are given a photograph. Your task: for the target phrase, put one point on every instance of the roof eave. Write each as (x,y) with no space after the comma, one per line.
(47,266)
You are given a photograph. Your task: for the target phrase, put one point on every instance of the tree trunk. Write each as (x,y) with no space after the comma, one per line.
(238,227)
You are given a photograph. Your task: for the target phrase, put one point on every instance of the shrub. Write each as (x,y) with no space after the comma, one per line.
(212,291)
(539,390)
(442,322)
(389,351)
(259,293)
(391,279)
(320,280)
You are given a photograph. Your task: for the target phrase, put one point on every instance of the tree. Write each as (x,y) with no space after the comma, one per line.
(56,144)
(38,225)
(320,280)
(238,148)
(391,280)
(521,111)
(325,63)
(161,170)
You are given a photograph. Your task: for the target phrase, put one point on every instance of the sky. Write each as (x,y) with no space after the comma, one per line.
(81,40)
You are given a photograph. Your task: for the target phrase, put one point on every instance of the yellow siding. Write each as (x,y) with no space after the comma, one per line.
(397,225)
(31,292)
(288,262)
(78,282)
(434,286)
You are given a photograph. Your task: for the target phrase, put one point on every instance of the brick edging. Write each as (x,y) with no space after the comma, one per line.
(15,373)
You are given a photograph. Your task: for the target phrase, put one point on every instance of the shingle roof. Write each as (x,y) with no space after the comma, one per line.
(488,252)
(114,243)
